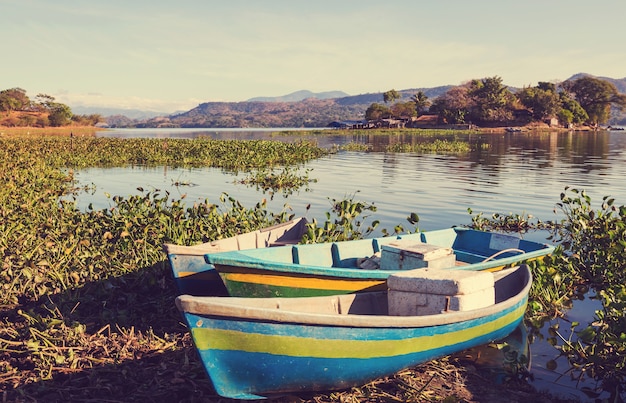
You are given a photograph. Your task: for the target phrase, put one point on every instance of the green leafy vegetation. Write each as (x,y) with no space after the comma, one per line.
(285,181)
(86,308)
(231,155)
(590,262)
(19,110)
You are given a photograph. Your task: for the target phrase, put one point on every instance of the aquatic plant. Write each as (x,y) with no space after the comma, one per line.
(518,223)
(86,307)
(437,145)
(590,259)
(595,240)
(348,219)
(232,155)
(272,181)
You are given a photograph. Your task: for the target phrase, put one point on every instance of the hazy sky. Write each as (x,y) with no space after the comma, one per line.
(172,55)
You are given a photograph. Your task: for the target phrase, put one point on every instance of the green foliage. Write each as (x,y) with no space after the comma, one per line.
(491,101)
(418,104)
(596,238)
(571,111)
(232,155)
(403,110)
(87,120)
(14,99)
(349,222)
(391,95)
(518,223)
(421,101)
(43,112)
(454,106)
(377,111)
(88,290)
(591,256)
(543,101)
(596,96)
(60,115)
(437,145)
(285,181)
(85,289)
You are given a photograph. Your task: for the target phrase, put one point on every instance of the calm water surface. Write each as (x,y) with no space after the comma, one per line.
(518,173)
(507,173)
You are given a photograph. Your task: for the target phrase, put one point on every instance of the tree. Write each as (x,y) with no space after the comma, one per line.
(87,120)
(543,100)
(60,114)
(391,96)
(596,96)
(421,102)
(578,114)
(14,99)
(453,106)
(565,117)
(403,109)
(492,100)
(44,101)
(377,111)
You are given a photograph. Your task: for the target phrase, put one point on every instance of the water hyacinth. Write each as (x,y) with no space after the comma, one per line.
(87,295)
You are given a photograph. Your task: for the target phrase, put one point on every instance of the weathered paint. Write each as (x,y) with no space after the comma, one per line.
(272,272)
(253,358)
(194,276)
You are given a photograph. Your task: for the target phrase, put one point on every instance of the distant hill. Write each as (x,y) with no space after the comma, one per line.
(619,83)
(129,113)
(310,111)
(300,96)
(298,109)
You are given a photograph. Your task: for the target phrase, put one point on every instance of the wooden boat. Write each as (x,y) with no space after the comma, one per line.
(258,348)
(342,267)
(195,276)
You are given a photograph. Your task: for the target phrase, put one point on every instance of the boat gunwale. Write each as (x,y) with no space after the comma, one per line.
(228,262)
(235,308)
(214,245)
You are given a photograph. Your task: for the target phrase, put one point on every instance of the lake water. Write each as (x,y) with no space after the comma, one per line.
(507,173)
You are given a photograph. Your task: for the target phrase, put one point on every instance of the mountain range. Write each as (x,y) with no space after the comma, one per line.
(300,96)
(298,109)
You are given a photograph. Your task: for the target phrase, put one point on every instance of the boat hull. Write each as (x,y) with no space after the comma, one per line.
(248,357)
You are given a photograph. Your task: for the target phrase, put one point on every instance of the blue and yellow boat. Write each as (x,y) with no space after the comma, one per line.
(364,265)
(260,348)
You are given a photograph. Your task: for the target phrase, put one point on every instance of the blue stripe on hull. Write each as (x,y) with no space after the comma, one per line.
(236,373)
(244,375)
(341,333)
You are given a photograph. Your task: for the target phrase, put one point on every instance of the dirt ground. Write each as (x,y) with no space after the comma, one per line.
(452,379)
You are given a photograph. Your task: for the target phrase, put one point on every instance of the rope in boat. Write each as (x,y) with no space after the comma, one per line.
(503,251)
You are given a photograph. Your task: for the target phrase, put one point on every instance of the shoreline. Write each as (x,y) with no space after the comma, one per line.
(60,131)
(91,130)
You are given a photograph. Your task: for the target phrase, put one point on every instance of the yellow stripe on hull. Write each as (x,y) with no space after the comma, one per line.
(314,283)
(218,339)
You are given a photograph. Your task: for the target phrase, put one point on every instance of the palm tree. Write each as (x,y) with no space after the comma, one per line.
(421,102)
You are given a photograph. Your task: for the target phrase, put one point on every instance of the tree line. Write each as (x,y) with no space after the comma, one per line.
(42,111)
(488,102)
(483,102)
